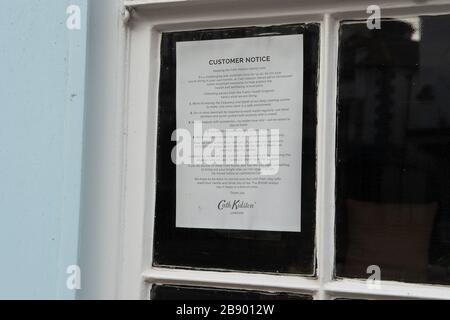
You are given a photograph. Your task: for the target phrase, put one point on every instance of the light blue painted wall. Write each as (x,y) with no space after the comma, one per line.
(42,68)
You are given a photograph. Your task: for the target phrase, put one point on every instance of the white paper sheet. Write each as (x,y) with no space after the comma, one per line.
(242,83)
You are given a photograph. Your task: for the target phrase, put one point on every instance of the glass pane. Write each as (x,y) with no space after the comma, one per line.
(393,159)
(266,251)
(168,292)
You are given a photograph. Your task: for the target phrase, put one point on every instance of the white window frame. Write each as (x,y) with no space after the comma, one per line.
(137,66)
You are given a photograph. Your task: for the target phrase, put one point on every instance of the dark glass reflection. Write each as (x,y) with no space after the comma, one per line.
(286,252)
(393,159)
(168,292)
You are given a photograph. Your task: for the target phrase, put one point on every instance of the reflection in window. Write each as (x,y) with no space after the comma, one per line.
(393,159)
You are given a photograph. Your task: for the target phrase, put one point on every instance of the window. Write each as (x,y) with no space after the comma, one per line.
(290,252)
(374,162)
(393,150)
(167,292)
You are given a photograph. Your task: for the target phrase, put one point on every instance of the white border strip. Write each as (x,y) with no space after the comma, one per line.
(388,289)
(326,149)
(232,280)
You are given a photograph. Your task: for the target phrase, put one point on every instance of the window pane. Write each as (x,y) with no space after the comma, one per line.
(267,251)
(168,292)
(393,160)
